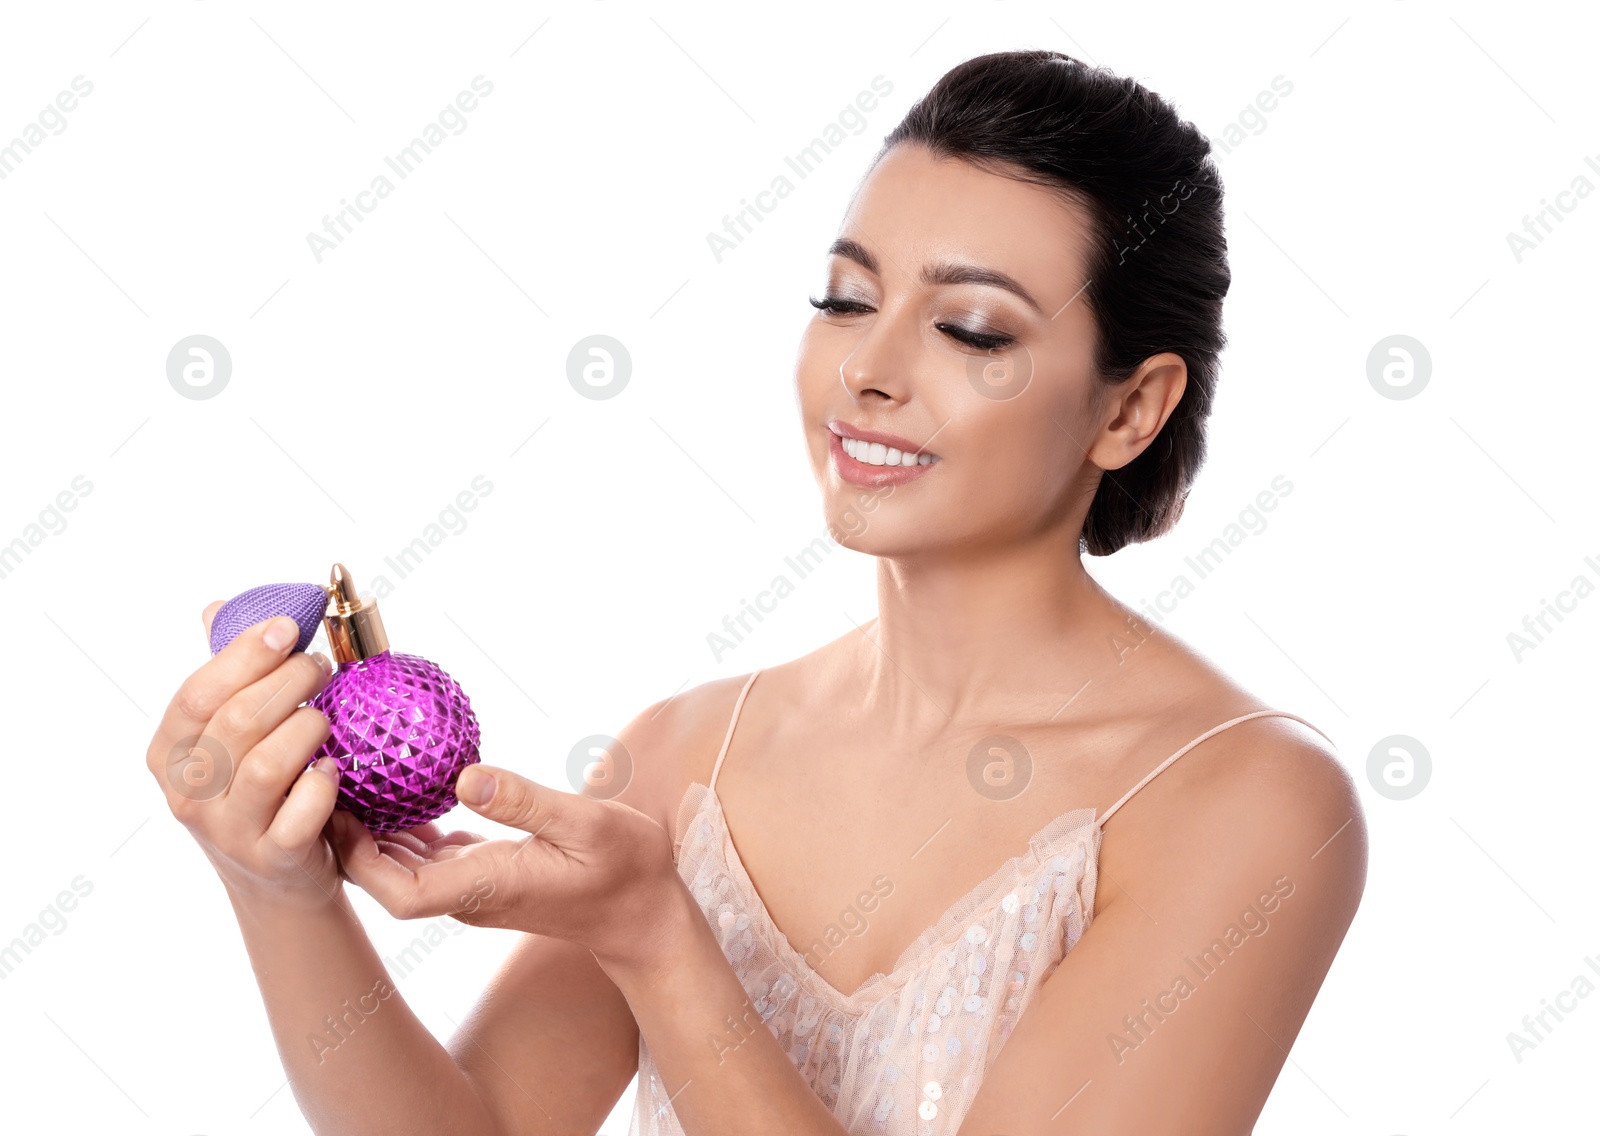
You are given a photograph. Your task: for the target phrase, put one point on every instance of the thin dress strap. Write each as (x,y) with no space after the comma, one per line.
(737,706)
(1151,776)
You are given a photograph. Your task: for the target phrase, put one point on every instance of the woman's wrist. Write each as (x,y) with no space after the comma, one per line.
(652,945)
(262,902)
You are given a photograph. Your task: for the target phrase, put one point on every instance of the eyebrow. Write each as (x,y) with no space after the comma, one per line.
(941,272)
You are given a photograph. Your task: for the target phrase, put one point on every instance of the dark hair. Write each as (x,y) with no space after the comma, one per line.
(1156,276)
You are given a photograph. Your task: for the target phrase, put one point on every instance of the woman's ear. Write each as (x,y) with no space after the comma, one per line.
(1134,411)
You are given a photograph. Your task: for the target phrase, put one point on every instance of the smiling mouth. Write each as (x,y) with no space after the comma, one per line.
(876,453)
(873,447)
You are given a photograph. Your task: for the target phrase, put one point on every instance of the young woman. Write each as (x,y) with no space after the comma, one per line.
(1006,858)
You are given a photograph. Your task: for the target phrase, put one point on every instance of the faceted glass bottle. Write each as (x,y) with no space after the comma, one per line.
(402,729)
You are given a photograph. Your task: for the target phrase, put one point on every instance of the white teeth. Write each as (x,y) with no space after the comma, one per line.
(876,453)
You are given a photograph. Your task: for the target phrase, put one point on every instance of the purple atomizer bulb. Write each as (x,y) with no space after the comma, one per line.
(401,728)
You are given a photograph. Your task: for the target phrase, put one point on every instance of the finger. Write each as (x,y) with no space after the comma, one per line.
(425,851)
(250,657)
(402,854)
(426,832)
(405,840)
(342,837)
(271,767)
(431,889)
(310,803)
(501,795)
(428,835)
(208,615)
(459,841)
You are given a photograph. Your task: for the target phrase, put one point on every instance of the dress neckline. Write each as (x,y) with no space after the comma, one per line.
(1074,826)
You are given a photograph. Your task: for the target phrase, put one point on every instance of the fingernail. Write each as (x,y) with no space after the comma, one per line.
(280,633)
(322,661)
(479,787)
(328,766)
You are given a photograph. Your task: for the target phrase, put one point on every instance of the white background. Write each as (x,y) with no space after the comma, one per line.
(369,389)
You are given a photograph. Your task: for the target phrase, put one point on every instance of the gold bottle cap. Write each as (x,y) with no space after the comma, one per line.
(355,629)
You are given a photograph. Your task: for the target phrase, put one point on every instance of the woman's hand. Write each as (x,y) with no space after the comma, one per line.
(231,757)
(592,872)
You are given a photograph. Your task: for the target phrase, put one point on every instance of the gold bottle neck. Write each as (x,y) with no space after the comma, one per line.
(355,629)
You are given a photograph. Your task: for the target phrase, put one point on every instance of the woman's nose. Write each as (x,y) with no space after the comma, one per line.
(879,364)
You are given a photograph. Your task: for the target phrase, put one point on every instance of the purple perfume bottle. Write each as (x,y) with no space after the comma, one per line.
(401,728)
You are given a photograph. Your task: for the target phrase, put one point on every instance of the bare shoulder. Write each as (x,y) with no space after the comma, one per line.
(1264,797)
(1225,888)
(674,742)
(669,744)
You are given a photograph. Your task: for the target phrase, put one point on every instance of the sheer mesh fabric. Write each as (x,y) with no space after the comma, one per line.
(903,1055)
(907,1051)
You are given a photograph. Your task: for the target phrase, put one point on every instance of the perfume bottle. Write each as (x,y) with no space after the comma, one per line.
(401,728)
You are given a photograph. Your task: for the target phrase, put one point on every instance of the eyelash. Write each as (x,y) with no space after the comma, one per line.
(980,340)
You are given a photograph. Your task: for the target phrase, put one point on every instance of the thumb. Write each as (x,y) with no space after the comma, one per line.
(502,796)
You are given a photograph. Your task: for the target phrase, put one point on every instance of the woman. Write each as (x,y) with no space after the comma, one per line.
(949,873)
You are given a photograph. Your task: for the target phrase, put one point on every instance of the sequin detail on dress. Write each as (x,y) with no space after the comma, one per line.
(906,1052)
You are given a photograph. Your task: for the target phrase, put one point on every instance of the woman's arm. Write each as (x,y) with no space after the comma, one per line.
(589,872)
(688,1002)
(358,1060)
(681,992)
(230,758)
(1177,1008)
(548,1049)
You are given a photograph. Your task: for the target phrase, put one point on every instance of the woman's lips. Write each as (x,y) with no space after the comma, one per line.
(844,429)
(872,476)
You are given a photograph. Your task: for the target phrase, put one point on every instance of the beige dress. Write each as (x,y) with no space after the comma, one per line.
(906,1052)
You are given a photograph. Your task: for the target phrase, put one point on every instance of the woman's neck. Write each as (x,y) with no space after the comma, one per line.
(963,639)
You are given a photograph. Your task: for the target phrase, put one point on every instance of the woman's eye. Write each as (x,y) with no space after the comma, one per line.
(837,305)
(982,340)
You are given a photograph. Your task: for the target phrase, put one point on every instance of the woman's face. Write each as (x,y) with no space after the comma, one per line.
(956,324)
